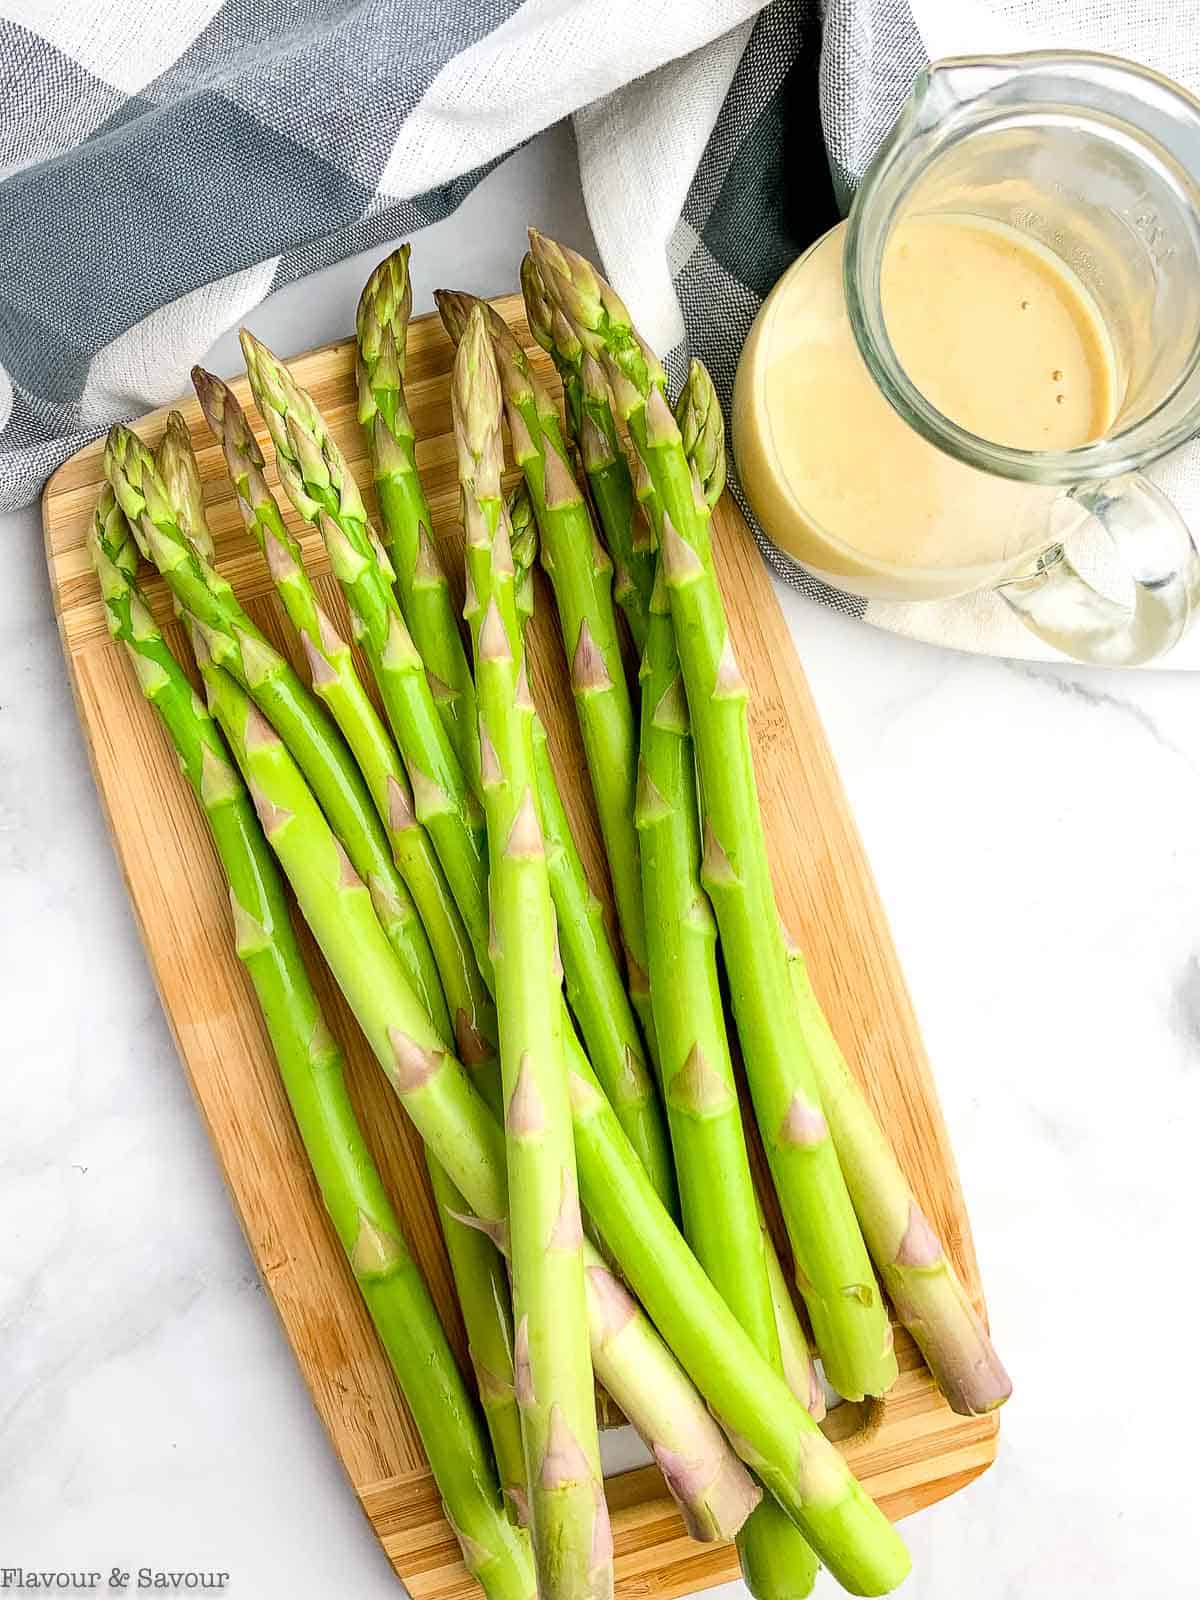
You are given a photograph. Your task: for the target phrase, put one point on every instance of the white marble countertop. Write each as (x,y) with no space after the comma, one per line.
(1034,834)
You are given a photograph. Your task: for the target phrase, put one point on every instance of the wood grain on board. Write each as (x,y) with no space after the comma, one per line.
(908,1449)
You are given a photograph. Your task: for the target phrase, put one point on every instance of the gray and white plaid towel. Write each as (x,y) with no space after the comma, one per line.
(163,167)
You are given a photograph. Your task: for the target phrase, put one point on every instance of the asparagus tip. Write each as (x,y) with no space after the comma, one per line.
(385,302)
(177,429)
(449,310)
(455,307)
(475,396)
(537,303)
(175,461)
(702,425)
(587,300)
(211,393)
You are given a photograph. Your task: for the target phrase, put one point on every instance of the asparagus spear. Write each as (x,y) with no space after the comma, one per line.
(928,1294)
(337,683)
(310,1065)
(475,1263)
(571,1538)
(581,575)
(307,456)
(720,1210)
(458,1128)
(383,313)
(201,592)
(846,1309)
(667,743)
(594,988)
(589,412)
(321,487)
(592,981)
(799,1368)
(626,515)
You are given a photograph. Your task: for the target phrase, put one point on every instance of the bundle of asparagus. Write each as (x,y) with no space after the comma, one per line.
(311,1067)
(430,853)
(457,1124)
(772,1009)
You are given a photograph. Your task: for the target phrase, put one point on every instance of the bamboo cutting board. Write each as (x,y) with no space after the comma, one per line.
(908,1449)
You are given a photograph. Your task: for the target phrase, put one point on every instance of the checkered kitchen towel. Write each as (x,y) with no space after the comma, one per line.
(165,164)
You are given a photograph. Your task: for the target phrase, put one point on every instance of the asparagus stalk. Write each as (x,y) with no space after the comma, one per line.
(596,993)
(848,1315)
(455,1122)
(663,660)
(205,596)
(480,1275)
(383,312)
(581,375)
(336,682)
(928,1294)
(571,1537)
(307,455)
(799,1368)
(476,1265)
(322,488)
(720,1209)
(589,413)
(310,1065)
(581,576)
(594,988)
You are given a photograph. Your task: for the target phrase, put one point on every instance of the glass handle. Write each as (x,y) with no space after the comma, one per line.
(1158,553)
